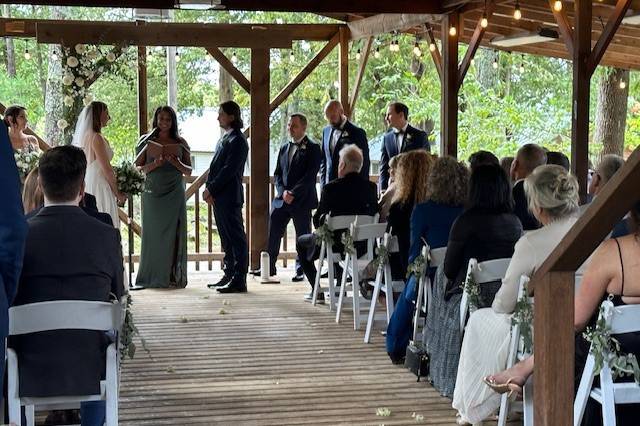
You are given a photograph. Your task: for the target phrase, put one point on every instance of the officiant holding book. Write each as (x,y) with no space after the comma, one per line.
(165,158)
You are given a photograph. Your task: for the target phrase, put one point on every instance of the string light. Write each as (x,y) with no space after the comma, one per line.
(495,63)
(453,31)
(27,55)
(358,55)
(177,56)
(416,50)
(517,13)
(234,58)
(292,57)
(432,46)
(54,55)
(484,23)
(377,53)
(623,84)
(473,62)
(557,6)
(522,65)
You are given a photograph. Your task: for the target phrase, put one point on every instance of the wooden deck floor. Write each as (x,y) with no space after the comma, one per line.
(262,358)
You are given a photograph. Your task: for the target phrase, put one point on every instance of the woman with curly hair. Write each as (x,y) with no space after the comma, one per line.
(411,185)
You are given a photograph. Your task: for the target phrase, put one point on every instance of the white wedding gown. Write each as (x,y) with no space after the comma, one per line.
(96,184)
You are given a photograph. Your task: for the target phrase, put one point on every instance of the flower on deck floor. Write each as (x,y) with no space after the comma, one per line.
(383,412)
(222,312)
(184,320)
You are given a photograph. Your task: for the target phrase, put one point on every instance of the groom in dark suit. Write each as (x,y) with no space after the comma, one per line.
(225,193)
(295,181)
(339,133)
(402,137)
(13,231)
(68,256)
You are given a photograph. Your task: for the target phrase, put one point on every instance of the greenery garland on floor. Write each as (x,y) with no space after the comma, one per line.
(605,347)
(129,330)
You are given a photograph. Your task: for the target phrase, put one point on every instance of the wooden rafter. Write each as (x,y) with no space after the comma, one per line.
(362,66)
(474,44)
(435,53)
(343,70)
(230,68)
(609,31)
(563,26)
(338,6)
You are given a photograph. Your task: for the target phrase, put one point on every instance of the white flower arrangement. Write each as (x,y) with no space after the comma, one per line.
(72,61)
(87,100)
(111,57)
(62,124)
(79,81)
(67,80)
(81,49)
(68,100)
(130,179)
(26,161)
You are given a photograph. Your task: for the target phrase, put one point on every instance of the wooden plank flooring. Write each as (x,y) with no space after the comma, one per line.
(262,358)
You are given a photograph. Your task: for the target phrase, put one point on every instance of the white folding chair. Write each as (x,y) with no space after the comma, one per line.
(369,233)
(483,272)
(619,319)
(326,253)
(384,283)
(64,315)
(435,258)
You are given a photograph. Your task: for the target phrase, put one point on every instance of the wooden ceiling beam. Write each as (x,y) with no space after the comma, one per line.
(563,26)
(148,4)
(435,53)
(474,43)
(338,6)
(228,66)
(607,35)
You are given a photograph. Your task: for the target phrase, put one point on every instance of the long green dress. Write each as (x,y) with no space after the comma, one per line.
(163,259)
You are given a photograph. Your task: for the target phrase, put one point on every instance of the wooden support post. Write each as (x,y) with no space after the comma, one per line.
(581,86)
(449,98)
(435,53)
(143,112)
(259,162)
(554,349)
(343,70)
(364,58)
(564,26)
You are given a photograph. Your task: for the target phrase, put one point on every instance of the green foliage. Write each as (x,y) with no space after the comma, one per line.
(347,242)
(523,317)
(417,267)
(472,289)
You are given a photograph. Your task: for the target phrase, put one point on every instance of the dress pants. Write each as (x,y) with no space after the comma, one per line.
(308,252)
(233,239)
(278,222)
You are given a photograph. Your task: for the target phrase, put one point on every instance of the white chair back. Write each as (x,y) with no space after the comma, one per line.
(436,256)
(345,221)
(64,315)
(481,272)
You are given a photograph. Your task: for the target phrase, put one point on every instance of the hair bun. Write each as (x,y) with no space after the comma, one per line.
(565,186)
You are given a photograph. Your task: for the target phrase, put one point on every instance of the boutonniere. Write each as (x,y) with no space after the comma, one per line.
(303,146)
(344,134)
(408,136)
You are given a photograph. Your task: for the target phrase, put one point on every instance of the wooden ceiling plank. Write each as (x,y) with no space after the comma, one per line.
(607,35)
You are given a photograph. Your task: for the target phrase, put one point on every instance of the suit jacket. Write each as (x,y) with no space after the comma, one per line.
(521,208)
(13,229)
(350,134)
(88,205)
(299,177)
(349,195)
(224,182)
(413,139)
(69,256)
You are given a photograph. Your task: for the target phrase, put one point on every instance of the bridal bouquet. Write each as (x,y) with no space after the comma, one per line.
(26,161)
(130,179)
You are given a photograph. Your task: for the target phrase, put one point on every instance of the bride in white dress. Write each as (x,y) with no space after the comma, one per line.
(100,180)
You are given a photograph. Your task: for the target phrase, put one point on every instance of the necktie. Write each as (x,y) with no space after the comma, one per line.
(399,139)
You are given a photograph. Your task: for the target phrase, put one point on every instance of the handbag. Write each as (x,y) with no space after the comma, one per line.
(417,360)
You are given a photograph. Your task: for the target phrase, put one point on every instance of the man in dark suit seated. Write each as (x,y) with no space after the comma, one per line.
(68,256)
(89,205)
(350,194)
(402,137)
(339,133)
(528,158)
(295,181)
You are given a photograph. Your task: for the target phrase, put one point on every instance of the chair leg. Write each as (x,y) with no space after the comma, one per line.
(582,396)
(372,308)
(608,400)
(13,400)
(343,289)
(112,386)
(504,410)
(331,276)
(355,293)
(30,415)
(416,316)
(527,402)
(316,285)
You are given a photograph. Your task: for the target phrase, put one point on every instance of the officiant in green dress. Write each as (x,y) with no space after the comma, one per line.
(165,158)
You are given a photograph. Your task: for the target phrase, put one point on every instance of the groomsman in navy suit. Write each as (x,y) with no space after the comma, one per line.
(295,180)
(339,133)
(225,193)
(402,137)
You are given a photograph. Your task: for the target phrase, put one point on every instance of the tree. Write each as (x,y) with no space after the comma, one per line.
(611,112)
(10,51)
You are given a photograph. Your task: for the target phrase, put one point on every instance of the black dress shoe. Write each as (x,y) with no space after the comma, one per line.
(297,278)
(224,281)
(233,287)
(255,272)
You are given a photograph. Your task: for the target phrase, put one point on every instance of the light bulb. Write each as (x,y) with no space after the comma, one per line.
(27,55)
(432,47)
(416,50)
(377,53)
(495,64)
(557,6)
(484,23)
(453,31)
(54,55)
(177,56)
(292,57)
(521,68)
(473,62)
(358,55)
(517,14)
(234,58)
(623,84)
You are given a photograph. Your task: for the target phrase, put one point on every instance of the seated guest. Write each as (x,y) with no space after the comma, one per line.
(412,183)
(482,158)
(430,222)
(487,229)
(385,200)
(505,163)
(559,159)
(350,194)
(602,280)
(553,198)
(608,166)
(529,157)
(32,198)
(68,256)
